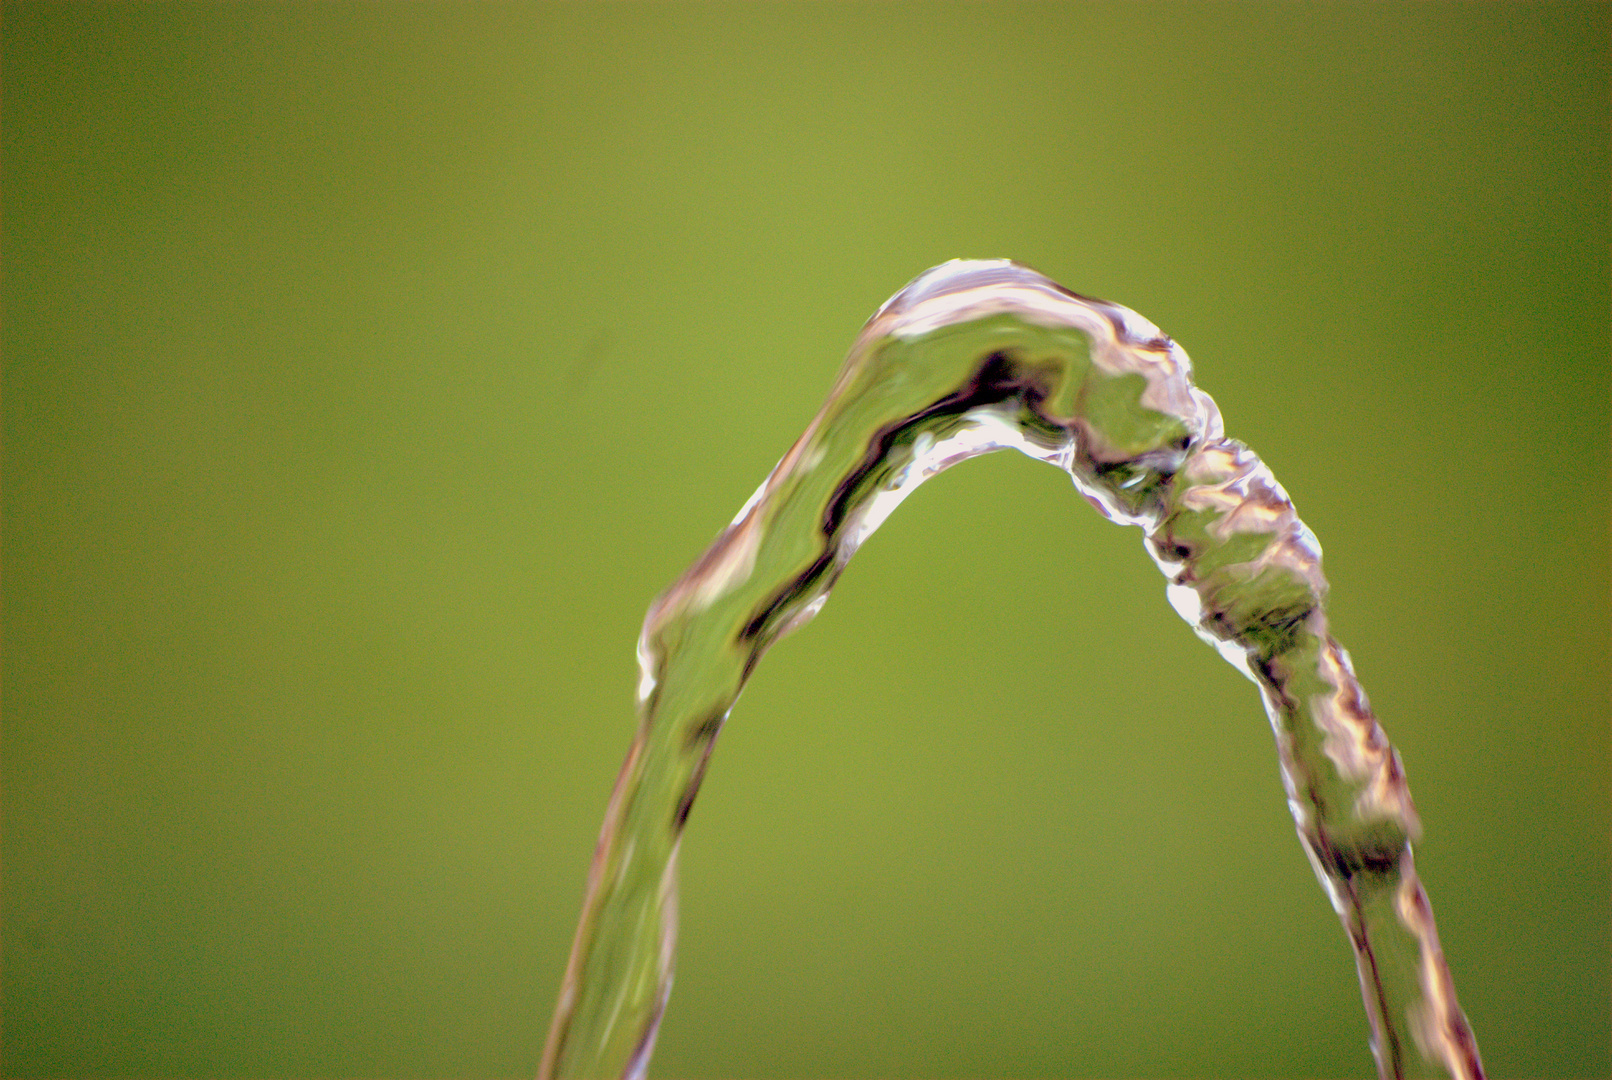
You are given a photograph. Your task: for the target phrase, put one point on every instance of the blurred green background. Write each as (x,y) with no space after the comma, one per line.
(368,369)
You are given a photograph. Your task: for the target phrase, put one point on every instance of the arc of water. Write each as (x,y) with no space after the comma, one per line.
(969,358)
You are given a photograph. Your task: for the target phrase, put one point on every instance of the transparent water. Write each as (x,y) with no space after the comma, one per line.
(969,358)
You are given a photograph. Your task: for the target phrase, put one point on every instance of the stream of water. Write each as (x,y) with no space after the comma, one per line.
(969,358)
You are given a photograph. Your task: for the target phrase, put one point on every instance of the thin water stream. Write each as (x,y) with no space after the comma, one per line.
(969,358)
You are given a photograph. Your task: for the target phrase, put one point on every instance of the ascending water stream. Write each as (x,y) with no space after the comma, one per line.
(969,358)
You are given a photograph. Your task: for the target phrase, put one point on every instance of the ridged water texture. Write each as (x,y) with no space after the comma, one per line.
(969,358)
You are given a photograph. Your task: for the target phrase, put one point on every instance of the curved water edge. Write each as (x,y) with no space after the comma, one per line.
(972,357)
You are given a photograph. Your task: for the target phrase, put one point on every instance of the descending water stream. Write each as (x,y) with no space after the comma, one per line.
(969,358)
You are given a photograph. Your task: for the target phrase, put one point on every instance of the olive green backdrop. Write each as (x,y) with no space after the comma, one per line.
(368,369)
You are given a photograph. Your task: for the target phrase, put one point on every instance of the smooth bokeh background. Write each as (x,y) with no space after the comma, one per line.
(368,369)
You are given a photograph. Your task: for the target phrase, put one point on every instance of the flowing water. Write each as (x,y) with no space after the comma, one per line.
(969,358)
